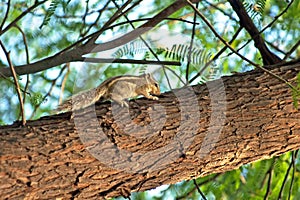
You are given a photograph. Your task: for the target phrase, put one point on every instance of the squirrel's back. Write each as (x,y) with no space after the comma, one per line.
(117,88)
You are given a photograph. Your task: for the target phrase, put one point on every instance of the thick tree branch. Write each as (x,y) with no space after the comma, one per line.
(51,159)
(268,57)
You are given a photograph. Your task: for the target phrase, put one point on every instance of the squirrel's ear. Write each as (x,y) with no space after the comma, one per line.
(147,76)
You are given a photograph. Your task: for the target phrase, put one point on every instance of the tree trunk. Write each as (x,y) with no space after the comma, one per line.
(187,133)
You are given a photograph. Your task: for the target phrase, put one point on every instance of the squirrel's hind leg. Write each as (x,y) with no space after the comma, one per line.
(119,100)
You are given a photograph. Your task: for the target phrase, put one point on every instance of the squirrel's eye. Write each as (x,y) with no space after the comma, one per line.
(156,85)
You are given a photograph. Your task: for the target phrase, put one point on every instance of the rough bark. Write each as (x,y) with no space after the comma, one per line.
(47,159)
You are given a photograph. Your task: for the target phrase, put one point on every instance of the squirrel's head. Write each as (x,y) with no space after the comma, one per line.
(152,84)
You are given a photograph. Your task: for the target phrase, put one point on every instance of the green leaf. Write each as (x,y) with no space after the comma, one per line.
(36,98)
(50,12)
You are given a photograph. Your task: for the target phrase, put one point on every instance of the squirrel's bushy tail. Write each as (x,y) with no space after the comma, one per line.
(80,100)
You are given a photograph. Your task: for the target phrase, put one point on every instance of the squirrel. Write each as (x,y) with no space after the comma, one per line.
(116,88)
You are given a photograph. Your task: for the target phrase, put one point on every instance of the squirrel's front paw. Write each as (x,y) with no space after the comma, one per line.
(155,98)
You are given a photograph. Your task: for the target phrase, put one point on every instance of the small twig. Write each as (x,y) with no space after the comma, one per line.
(267,26)
(209,180)
(27,61)
(294,156)
(6,15)
(129,61)
(270,173)
(276,17)
(96,21)
(12,82)
(119,13)
(147,19)
(14,22)
(285,180)
(198,189)
(217,55)
(191,46)
(173,72)
(63,84)
(7,54)
(276,48)
(128,198)
(26,88)
(84,18)
(222,11)
(91,38)
(294,48)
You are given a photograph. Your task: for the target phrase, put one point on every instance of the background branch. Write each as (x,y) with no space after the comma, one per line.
(76,54)
(237,53)
(294,48)
(199,190)
(5,16)
(16,82)
(265,28)
(216,56)
(285,179)
(191,46)
(14,22)
(246,22)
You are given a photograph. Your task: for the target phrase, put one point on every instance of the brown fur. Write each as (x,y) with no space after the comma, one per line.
(117,89)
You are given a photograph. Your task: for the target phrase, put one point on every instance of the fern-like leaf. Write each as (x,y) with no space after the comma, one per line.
(178,52)
(255,7)
(181,52)
(50,12)
(131,49)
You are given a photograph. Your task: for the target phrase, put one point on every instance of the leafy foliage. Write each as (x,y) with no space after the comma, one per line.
(178,52)
(50,12)
(131,49)
(36,98)
(184,53)
(255,7)
(195,57)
